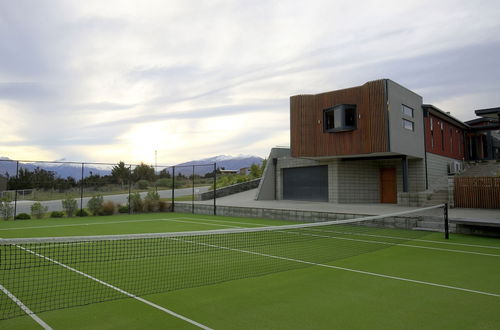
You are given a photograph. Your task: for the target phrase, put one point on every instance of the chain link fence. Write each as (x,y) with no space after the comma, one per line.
(39,188)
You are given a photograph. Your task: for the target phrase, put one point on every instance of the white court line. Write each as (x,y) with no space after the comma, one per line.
(25,308)
(345,269)
(360,234)
(199,325)
(97,223)
(377,242)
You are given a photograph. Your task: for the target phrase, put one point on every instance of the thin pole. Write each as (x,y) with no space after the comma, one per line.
(192,193)
(156,164)
(215,188)
(81,193)
(173,188)
(15,190)
(129,188)
(446,224)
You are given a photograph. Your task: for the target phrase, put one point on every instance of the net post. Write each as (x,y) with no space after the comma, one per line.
(215,188)
(81,192)
(446,222)
(15,190)
(173,188)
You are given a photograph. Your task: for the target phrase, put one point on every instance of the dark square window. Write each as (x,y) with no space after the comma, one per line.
(409,125)
(406,110)
(340,118)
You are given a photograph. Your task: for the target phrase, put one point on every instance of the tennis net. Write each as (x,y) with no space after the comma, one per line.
(59,272)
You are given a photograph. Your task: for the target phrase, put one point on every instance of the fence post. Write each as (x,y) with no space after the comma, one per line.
(192,193)
(81,192)
(173,188)
(446,224)
(129,188)
(15,190)
(215,188)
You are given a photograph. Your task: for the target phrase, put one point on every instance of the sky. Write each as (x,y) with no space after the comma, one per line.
(104,81)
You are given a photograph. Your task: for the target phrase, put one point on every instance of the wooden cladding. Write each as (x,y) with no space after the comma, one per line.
(308,138)
(477,192)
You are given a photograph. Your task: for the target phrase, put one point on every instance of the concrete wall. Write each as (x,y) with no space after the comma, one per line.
(437,171)
(401,140)
(267,187)
(432,221)
(356,181)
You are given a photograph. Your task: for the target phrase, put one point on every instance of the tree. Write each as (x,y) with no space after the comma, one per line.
(255,171)
(144,172)
(95,204)
(120,173)
(69,205)
(6,209)
(38,210)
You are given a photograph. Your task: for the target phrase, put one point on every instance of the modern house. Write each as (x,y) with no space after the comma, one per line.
(375,143)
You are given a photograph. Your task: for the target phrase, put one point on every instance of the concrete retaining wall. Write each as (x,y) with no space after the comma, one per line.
(230,190)
(409,222)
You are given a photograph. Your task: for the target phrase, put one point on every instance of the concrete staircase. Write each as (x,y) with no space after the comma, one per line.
(486,168)
(437,197)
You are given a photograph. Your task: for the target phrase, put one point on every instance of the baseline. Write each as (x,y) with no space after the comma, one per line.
(166,310)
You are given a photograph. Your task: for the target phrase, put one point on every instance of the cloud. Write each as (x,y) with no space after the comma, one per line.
(84,79)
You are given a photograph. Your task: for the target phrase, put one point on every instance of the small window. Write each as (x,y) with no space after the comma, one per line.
(409,125)
(340,118)
(407,111)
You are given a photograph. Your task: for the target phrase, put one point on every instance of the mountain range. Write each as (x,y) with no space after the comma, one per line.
(66,169)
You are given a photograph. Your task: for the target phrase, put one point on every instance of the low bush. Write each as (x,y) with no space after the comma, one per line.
(38,210)
(167,183)
(152,201)
(164,206)
(70,206)
(6,209)
(122,208)
(22,216)
(82,213)
(108,208)
(56,214)
(135,202)
(95,204)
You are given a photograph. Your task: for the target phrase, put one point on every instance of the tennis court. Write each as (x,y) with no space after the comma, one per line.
(243,273)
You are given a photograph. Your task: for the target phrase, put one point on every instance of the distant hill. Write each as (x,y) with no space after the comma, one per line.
(64,170)
(222,161)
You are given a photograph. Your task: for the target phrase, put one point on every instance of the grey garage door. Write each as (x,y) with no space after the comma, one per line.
(306,183)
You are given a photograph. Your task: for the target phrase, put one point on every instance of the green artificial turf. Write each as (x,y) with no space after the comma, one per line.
(308,297)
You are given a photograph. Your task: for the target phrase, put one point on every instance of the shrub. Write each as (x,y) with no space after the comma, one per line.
(56,214)
(95,204)
(164,206)
(22,216)
(122,208)
(152,201)
(108,208)
(6,209)
(82,213)
(38,210)
(70,206)
(143,184)
(135,202)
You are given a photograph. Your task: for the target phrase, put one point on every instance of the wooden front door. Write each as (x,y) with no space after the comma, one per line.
(388,189)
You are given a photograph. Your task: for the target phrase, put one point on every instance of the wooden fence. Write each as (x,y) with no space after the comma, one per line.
(477,192)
